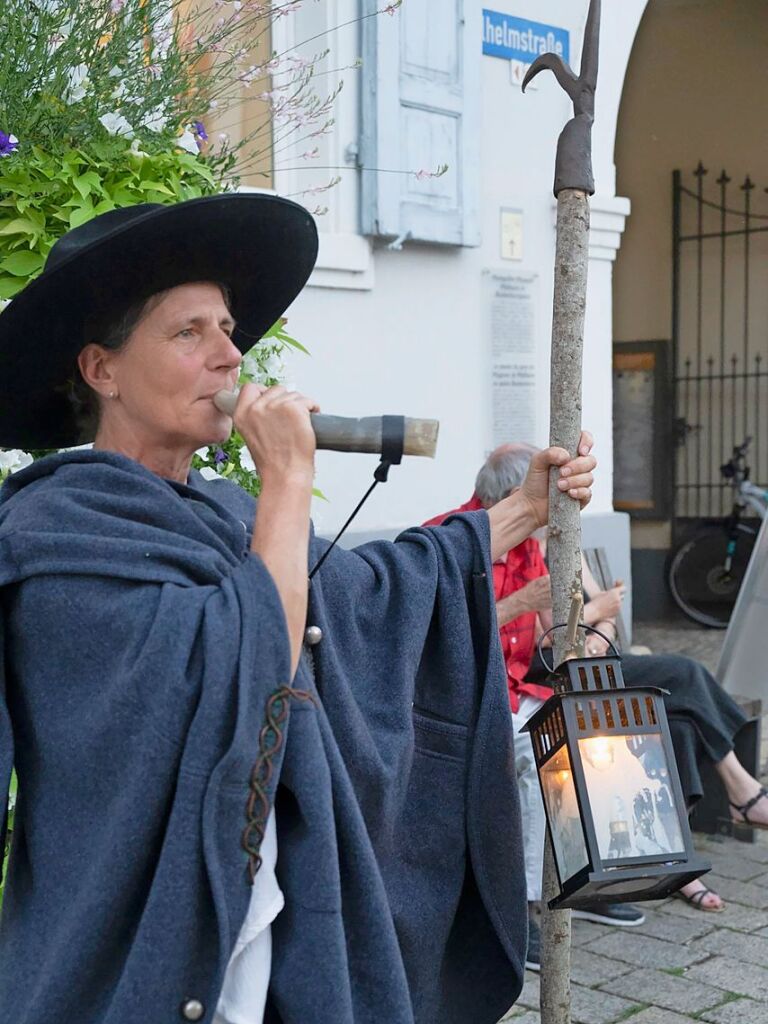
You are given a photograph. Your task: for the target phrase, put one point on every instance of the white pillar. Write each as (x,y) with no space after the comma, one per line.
(608,217)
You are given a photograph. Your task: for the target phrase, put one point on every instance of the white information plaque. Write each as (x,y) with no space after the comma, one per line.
(510,302)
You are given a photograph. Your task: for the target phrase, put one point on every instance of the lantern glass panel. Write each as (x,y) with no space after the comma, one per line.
(563,813)
(630,796)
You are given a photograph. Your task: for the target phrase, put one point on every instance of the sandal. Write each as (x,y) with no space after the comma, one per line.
(743,810)
(697,900)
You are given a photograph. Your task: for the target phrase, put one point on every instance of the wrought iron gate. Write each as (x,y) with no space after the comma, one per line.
(719,336)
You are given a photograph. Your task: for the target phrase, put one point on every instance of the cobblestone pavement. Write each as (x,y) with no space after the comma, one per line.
(682,965)
(679,636)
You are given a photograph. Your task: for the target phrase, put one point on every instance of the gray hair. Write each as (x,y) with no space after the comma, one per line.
(503,471)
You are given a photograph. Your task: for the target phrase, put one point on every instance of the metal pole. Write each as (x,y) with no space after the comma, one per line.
(679,433)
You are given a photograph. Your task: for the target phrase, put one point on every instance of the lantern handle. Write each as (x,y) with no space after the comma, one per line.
(562,625)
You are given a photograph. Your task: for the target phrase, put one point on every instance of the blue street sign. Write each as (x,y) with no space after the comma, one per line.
(517,39)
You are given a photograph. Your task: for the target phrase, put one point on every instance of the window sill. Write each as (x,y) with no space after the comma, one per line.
(344,261)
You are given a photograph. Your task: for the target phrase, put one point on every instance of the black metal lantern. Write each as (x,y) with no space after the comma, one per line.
(611,790)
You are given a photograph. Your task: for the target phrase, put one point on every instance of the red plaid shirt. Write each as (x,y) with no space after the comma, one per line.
(519,566)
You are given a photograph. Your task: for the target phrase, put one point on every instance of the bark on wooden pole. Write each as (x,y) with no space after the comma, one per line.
(564,543)
(573,186)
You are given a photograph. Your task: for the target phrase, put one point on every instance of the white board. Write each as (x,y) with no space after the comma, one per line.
(510,303)
(743,666)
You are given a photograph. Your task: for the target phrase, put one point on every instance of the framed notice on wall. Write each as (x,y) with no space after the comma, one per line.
(510,313)
(642,429)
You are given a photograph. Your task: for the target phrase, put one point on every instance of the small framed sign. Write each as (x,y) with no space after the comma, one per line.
(642,429)
(511,234)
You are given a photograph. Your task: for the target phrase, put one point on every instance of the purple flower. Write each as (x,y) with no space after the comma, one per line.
(8,143)
(220,457)
(199,129)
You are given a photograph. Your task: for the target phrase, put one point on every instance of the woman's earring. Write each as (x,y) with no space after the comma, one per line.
(113,394)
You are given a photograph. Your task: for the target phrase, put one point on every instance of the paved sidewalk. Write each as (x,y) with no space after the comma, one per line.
(679,635)
(681,965)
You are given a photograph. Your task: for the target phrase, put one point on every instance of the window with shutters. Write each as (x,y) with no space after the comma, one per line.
(420,111)
(305,166)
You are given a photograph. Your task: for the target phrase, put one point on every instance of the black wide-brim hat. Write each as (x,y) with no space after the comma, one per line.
(262,247)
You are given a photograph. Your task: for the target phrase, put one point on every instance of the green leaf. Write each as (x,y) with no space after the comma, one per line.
(293,343)
(155,186)
(22,264)
(204,172)
(81,215)
(10,286)
(87,183)
(195,165)
(105,206)
(20,226)
(36,216)
(277,333)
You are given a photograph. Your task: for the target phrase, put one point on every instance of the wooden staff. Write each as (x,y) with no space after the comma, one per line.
(574,184)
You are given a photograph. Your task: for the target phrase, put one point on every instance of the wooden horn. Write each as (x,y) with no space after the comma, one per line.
(348,434)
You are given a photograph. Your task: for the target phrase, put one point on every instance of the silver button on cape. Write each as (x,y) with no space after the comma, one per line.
(192,1009)
(313,635)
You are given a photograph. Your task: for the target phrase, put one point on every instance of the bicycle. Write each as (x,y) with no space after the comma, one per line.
(707,570)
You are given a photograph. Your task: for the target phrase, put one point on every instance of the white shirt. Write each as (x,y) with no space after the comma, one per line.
(244,993)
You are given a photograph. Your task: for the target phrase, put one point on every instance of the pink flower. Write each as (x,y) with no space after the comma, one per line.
(422,175)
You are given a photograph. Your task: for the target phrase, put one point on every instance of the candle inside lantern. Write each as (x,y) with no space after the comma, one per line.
(599,752)
(629,796)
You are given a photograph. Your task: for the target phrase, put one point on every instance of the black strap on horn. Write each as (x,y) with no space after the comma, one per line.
(392,445)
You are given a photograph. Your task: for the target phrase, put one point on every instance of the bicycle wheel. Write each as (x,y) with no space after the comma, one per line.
(698,579)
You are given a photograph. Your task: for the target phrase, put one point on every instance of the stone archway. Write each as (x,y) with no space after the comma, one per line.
(694,89)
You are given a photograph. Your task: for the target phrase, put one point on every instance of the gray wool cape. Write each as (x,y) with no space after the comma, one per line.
(144,648)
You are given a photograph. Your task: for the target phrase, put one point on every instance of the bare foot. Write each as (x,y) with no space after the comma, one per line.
(709,902)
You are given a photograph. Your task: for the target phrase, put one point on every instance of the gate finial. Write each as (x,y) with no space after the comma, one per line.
(573,167)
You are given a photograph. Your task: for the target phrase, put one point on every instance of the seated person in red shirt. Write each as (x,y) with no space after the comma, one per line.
(703,719)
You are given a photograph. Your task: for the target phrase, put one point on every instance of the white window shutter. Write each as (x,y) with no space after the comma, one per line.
(420,110)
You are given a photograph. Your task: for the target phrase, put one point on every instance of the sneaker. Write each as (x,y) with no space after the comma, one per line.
(622,915)
(533,955)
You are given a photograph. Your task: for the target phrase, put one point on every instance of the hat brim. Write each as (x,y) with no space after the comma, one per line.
(262,247)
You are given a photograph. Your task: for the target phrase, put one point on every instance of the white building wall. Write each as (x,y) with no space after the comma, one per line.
(405,331)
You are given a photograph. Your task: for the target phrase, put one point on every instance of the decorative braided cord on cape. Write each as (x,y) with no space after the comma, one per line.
(271,738)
